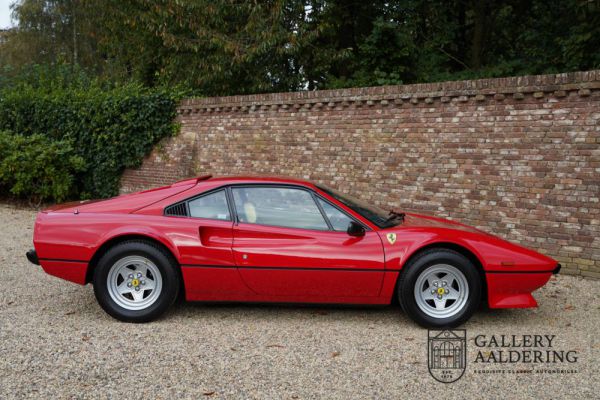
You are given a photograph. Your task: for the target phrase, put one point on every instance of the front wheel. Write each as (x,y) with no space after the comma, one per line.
(136,281)
(439,288)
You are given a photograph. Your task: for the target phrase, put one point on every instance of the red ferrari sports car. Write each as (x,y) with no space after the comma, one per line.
(279,240)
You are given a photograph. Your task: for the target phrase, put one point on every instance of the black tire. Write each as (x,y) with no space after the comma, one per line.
(161,259)
(420,263)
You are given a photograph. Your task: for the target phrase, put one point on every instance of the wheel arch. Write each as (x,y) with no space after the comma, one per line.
(115,240)
(471,256)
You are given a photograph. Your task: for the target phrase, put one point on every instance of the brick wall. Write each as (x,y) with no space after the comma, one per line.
(519,157)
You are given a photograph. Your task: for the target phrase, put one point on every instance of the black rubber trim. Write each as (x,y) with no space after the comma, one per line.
(557,269)
(521,272)
(292,303)
(32,257)
(290,268)
(64,260)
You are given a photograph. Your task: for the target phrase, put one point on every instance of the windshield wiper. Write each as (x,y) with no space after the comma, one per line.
(395,215)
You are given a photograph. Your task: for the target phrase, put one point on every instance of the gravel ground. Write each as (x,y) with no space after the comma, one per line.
(56,342)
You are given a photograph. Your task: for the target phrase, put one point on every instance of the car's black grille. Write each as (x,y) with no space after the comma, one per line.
(177,209)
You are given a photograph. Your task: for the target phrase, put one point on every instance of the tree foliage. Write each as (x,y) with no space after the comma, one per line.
(220,47)
(88,86)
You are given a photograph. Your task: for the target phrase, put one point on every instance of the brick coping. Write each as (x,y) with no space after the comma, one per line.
(556,85)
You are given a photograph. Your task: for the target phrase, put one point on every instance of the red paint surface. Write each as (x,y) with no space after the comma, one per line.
(70,271)
(514,290)
(280,264)
(294,262)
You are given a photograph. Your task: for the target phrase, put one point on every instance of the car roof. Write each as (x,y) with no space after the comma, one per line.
(257,179)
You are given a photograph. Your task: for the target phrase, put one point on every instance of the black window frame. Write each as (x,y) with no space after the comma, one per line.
(187,201)
(233,211)
(323,199)
(335,196)
(280,186)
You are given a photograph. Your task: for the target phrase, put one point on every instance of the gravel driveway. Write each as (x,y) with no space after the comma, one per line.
(56,342)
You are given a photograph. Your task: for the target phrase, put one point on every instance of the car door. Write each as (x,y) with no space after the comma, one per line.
(284,245)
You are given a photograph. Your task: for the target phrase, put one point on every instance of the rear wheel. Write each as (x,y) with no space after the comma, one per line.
(439,288)
(136,281)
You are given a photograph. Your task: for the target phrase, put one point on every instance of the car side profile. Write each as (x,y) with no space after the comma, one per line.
(260,239)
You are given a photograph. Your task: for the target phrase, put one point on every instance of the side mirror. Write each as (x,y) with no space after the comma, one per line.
(355,229)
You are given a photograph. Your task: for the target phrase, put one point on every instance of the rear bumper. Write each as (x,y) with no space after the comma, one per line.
(33,257)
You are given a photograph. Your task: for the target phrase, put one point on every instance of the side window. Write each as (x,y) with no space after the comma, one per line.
(211,206)
(287,207)
(338,219)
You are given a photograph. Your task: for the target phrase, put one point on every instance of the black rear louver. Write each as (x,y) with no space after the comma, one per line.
(179,210)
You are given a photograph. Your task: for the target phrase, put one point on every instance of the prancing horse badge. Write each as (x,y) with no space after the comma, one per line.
(391,237)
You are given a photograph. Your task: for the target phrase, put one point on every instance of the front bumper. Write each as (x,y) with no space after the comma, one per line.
(33,257)
(557,269)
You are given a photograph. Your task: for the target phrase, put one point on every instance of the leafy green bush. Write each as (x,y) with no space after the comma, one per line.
(37,167)
(110,127)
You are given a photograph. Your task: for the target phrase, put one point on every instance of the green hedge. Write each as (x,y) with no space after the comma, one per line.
(109,128)
(37,167)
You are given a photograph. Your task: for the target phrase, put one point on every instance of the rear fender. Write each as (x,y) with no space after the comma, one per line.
(139,232)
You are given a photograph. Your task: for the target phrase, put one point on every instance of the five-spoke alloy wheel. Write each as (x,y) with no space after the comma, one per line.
(441,291)
(136,281)
(439,288)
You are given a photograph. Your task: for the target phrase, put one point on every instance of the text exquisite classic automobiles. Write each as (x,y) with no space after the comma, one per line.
(279,240)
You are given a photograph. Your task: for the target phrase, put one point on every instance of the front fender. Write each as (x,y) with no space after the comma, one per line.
(494,254)
(410,241)
(511,271)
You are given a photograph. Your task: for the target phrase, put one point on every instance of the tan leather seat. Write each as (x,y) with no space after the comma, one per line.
(250,212)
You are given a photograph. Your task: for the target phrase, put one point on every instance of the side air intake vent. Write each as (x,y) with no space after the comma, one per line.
(177,209)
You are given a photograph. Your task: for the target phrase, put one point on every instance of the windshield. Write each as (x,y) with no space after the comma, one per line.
(378,216)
